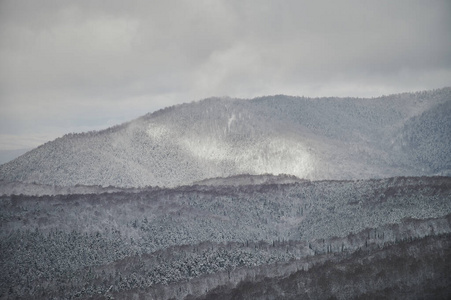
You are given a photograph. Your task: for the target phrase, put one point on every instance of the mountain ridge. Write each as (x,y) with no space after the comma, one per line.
(311,138)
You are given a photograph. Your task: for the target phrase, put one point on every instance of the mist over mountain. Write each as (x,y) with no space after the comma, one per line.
(321,138)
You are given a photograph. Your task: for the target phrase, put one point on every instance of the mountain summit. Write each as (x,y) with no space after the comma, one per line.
(321,138)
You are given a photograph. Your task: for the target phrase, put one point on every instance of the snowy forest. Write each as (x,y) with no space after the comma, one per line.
(275,197)
(212,241)
(311,138)
(225,150)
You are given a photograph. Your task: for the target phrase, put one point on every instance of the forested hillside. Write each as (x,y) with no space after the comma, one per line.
(188,241)
(408,269)
(322,138)
(275,197)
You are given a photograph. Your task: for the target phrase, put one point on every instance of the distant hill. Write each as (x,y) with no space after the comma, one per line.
(321,138)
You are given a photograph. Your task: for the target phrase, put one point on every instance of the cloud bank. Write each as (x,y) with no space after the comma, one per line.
(71,66)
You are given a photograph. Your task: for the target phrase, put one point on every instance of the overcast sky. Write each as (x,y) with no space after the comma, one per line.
(72,66)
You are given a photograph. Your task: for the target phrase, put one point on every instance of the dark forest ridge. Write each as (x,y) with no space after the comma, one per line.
(311,138)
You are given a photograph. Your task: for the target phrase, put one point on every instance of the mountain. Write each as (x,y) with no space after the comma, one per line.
(321,138)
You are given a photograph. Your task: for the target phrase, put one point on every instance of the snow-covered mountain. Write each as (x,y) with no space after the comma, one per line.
(321,138)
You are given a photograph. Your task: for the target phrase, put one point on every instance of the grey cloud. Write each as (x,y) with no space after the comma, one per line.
(81,63)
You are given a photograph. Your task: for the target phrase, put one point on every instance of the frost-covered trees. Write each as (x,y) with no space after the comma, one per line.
(325,138)
(114,242)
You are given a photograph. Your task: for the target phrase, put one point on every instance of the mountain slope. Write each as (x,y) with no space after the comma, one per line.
(418,269)
(427,139)
(324,138)
(171,243)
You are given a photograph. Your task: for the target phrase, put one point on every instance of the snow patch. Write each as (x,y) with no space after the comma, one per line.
(157,131)
(277,156)
(231,119)
(205,148)
(274,156)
